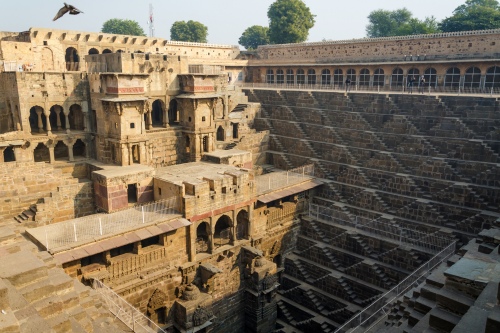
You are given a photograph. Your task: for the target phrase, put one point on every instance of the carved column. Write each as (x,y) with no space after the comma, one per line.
(233,228)
(52,157)
(211,236)
(57,110)
(15,117)
(149,125)
(66,115)
(124,155)
(38,111)
(47,118)
(70,152)
(130,155)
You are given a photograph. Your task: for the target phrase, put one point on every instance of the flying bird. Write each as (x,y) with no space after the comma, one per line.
(67,8)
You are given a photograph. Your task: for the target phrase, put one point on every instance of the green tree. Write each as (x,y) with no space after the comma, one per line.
(289,21)
(122,27)
(254,36)
(473,15)
(190,31)
(400,22)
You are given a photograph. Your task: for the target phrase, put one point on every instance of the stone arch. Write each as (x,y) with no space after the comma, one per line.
(173,114)
(311,76)
(452,77)
(222,231)
(41,153)
(492,79)
(203,238)
(79,148)
(472,78)
(75,117)
(9,155)
(301,77)
(93,51)
(157,113)
(379,77)
(221,133)
(157,309)
(36,121)
(326,77)
(106,51)
(397,77)
(57,119)
(61,151)
(47,59)
(364,77)
(72,59)
(242,225)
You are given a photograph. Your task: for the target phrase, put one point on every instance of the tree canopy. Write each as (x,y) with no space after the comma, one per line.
(190,31)
(400,22)
(254,36)
(289,21)
(473,15)
(122,27)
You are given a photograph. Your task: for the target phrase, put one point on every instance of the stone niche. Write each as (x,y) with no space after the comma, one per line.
(117,188)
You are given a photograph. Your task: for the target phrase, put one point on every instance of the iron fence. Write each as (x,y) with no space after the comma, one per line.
(281,179)
(371,315)
(125,312)
(91,227)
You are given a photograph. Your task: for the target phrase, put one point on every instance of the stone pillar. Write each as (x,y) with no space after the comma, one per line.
(85,112)
(47,118)
(143,156)
(66,115)
(150,120)
(211,236)
(250,222)
(233,228)
(130,155)
(165,115)
(87,148)
(70,153)
(2,149)
(124,155)
(15,117)
(38,111)
(57,110)
(192,241)
(52,157)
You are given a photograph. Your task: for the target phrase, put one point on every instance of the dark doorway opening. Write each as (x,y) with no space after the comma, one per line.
(8,155)
(132,193)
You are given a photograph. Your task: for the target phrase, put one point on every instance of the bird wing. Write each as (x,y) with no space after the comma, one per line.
(60,13)
(74,10)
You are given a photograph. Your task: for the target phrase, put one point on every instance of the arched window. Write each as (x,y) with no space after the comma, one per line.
(72,59)
(492,77)
(301,78)
(338,77)
(289,76)
(222,233)
(326,77)
(93,51)
(270,76)
(79,148)
(205,144)
(173,114)
(106,51)
(202,238)
(351,75)
(430,76)
(413,72)
(364,77)
(397,77)
(9,156)
(378,77)
(157,113)
(75,117)
(311,76)
(36,113)
(56,118)
(242,225)
(41,153)
(280,76)
(61,151)
(472,77)
(452,78)
(220,133)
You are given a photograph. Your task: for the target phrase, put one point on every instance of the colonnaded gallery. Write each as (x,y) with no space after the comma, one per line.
(157,186)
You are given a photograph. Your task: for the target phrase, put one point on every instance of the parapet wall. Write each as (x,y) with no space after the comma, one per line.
(465,44)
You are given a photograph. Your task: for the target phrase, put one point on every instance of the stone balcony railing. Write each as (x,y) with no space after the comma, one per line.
(131,263)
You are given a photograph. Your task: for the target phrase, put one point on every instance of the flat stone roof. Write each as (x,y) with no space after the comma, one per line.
(119,171)
(124,99)
(227,153)
(194,172)
(476,268)
(198,95)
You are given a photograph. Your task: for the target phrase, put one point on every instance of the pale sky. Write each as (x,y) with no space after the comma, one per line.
(226,19)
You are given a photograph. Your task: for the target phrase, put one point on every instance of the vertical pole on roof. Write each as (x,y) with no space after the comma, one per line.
(100,226)
(142,209)
(74,229)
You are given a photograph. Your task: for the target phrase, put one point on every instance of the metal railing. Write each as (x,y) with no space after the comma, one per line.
(125,312)
(205,69)
(371,315)
(91,227)
(427,89)
(281,179)
(429,242)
